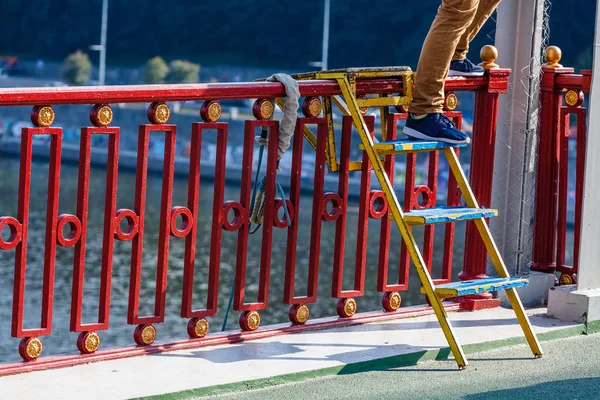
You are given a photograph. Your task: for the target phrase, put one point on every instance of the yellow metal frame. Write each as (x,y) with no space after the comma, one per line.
(353,107)
(382,102)
(494,253)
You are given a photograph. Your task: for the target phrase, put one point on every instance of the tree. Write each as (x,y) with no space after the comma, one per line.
(156,70)
(77,68)
(182,71)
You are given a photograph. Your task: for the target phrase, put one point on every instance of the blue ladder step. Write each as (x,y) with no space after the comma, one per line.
(463,288)
(410,146)
(442,215)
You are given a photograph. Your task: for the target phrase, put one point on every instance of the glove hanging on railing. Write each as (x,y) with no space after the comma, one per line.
(290,111)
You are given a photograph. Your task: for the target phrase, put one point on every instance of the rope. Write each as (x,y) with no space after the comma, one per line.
(256,205)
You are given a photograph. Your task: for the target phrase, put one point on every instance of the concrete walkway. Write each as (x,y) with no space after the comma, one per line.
(330,351)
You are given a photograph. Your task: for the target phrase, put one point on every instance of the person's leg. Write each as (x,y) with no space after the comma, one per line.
(452,20)
(484,11)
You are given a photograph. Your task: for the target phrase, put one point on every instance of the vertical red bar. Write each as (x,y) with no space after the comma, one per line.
(563,187)
(409,185)
(363,216)
(481,177)
(242,218)
(429,234)
(267,229)
(187,310)
(363,219)
(579,179)
(546,183)
(384,236)
(340,226)
(453,200)
(50,238)
(317,212)
(110,200)
(164,228)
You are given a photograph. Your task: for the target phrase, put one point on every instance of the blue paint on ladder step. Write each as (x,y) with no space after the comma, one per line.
(411,146)
(493,284)
(441,215)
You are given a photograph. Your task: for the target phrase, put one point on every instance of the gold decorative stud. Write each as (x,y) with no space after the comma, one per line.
(201,328)
(312,107)
(148,334)
(42,116)
(391,301)
(299,313)
(101,115)
(34,348)
(263,109)
(574,98)
(253,320)
(144,334)
(211,111)
(450,102)
(249,320)
(30,348)
(302,314)
(553,55)
(489,55)
(197,328)
(565,279)
(346,307)
(350,307)
(159,113)
(88,342)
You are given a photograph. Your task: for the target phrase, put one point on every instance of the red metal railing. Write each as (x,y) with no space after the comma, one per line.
(562,96)
(228,215)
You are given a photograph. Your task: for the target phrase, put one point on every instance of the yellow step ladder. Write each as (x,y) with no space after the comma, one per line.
(472,211)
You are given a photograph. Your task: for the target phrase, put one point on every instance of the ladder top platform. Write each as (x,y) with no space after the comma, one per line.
(411,146)
(441,215)
(361,73)
(463,288)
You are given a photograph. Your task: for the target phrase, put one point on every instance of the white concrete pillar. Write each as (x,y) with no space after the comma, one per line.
(589,264)
(581,302)
(518,39)
(519,43)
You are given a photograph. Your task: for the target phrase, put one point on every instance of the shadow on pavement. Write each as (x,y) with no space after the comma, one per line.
(581,388)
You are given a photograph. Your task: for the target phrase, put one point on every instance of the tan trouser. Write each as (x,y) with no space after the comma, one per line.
(456,24)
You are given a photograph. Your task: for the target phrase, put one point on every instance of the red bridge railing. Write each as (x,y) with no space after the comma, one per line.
(562,96)
(232,215)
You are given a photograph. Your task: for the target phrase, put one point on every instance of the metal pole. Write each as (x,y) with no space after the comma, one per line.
(325,53)
(589,273)
(102,72)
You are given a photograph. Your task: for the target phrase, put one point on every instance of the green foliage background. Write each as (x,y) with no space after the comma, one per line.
(273,33)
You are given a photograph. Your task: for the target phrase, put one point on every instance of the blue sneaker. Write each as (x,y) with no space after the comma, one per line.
(435,127)
(465,68)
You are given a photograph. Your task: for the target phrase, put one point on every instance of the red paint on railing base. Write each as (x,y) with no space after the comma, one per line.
(217,339)
(474,304)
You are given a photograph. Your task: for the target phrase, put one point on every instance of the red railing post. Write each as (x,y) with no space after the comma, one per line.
(546,186)
(481,177)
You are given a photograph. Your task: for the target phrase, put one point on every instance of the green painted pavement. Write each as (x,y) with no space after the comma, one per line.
(496,368)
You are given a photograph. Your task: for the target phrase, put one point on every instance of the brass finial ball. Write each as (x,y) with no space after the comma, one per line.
(553,56)
(489,54)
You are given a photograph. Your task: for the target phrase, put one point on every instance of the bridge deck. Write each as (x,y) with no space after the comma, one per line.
(286,354)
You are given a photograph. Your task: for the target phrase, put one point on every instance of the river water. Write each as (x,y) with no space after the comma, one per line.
(120,334)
